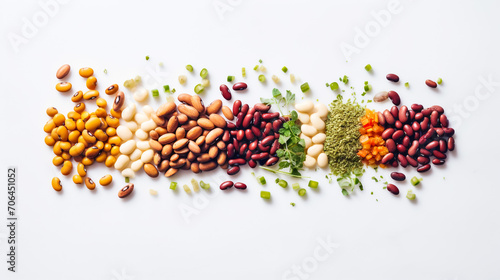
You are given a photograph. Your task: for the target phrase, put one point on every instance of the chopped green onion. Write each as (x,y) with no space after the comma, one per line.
(407,84)
(295,186)
(166,88)
(260,60)
(327,84)
(283,183)
(189,67)
(415,181)
(198,89)
(147,57)
(439,81)
(302,192)
(368,67)
(204,73)
(230,78)
(284,69)
(261,180)
(375,179)
(345,79)
(313,184)
(256,67)
(334,86)
(366,82)
(345,192)
(105,71)
(173,186)
(173,90)
(410,195)
(127,180)
(369,101)
(204,185)
(368,87)
(293,204)
(243,72)
(363,94)
(155,92)
(265,195)
(304,87)
(262,78)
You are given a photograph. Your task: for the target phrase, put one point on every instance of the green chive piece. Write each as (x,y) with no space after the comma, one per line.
(283,183)
(313,184)
(198,89)
(302,192)
(261,180)
(345,79)
(256,67)
(363,94)
(304,87)
(173,186)
(415,181)
(173,90)
(204,73)
(127,180)
(230,78)
(166,88)
(407,85)
(265,195)
(284,69)
(296,186)
(368,87)
(368,67)
(262,78)
(439,81)
(243,72)
(334,86)
(147,57)
(410,195)
(105,71)
(189,67)
(155,92)
(204,185)
(260,60)
(293,204)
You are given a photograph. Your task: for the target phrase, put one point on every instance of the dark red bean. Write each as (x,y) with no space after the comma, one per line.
(248,155)
(398,124)
(225,92)
(439,131)
(276,135)
(233,132)
(269,116)
(437,161)
(438,154)
(443,148)
(247,120)
(388,117)
(233,170)
(415,126)
(255,131)
(403,114)
(388,133)
(240,135)
(398,135)
(230,125)
(249,134)
(423,141)
(239,119)
(393,189)
(394,96)
(451,144)
(388,157)
(434,118)
(417,107)
(437,108)
(392,77)
(262,107)
(406,141)
(394,164)
(274,147)
(240,186)
(424,125)
(253,145)
(444,120)
(256,117)
(412,116)
(227,136)
(424,168)
(412,161)
(239,86)
(395,112)
(263,148)
(432,145)
(430,133)
(401,148)
(277,125)
(391,145)
(252,163)
(431,83)
(425,152)
(260,156)
(272,161)
(237,161)
(419,116)
(251,111)
(449,131)
(408,130)
(417,135)
(243,148)
(398,176)
(230,151)
(402,160)
(413,149)
(262,124)
(236,107)
(268,140)
(267,129)
(244,109)
(226,185)
(236,144)
(427,112)
(423,160)
(381,118)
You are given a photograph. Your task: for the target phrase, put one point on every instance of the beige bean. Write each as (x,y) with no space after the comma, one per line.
(303,118)
(121,162)
(319,138)
(213,135)
(321,110)
(228,113)
(63,71)
(189,111)
(128,147)
(184,97)
(56,184)
(124,133)
(148,125)
(128,172)
(205,123)
(217,120)
(135,155)
(136,165)
(172,124)
(317,122)
(322,160)
(305,106)
(308,130)
(307,140)
(315,150)
(198,103)
(214,107)
(147,156)
(166,108)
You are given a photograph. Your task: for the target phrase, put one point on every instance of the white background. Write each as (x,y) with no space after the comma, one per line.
(450,232)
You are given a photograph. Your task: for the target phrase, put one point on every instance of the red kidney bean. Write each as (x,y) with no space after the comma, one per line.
(268,140)
(412,116)
(240,135)
(233,132)
(417,135)
(251,111)
(243,148)
(451,144)
(397,135)
(276,135)
(424,168)
(388,132)
(274,147)
(430,133)
(260,156)
(236,107)
(253,146)
(424,125)
(249,134)
(417,107)
(244,109)
(398,124)
(395,112)
(434,118)
(412,161)
(423,141)
(263,148)
(419,116)
(408,130)
(432,145)
(267,129)
(444,120)
(431,83)
(255,131)
(427,112)
(236,144)
(392,77)
(437,108)
(395,163)
(398,176)
(415,126)
(437,161)
(237,161)
(403,114)
(247,120)
(439,131)
(262,124)
(262,107)
(401,148)
(225,92)
(272,161)
(227,136)
(391,145)
(423,160)
(388,117)
(277,125)
(388,157)
(406,141)
(230,125)
(394,97)
(226,185)
(252,163)
(402,160)
(413,149)
(230,151)
(393,189)
(240,86)
(438,154)
(381,118)
(248,155)
(239,119)
(256,117)
(425,152)
(449,131)
(443,148)
(233,170)
(269,116)
(240,186)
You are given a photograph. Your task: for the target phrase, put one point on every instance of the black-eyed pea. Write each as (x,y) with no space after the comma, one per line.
(107,147)
(89,183)
(101,112)
(99,145)
(91,82)
(82,171)
(57,148)
(66,168)
(101,157)
(92,124)
(106,180)
(57,160)
(63,133)
(77,149)
(74,116)
(112,89)
(79,107)
(59,119)
(115,150)
(54,134)
(88,137)
(86,72)
(66,156)
(110,131)
(56,184)
(77,96)
(101,135)
(77,179)
(49,140)
(73,136)
(115,140)
(115,114)
(65,145)
(70,124)
(92,152)
(110,161)
(101,102)
(63,86)
(49,126)
(51,111)
(91,95)
(85,116)
(82,140)
(112,121)
(80,125)
(87,161)
(104,124)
